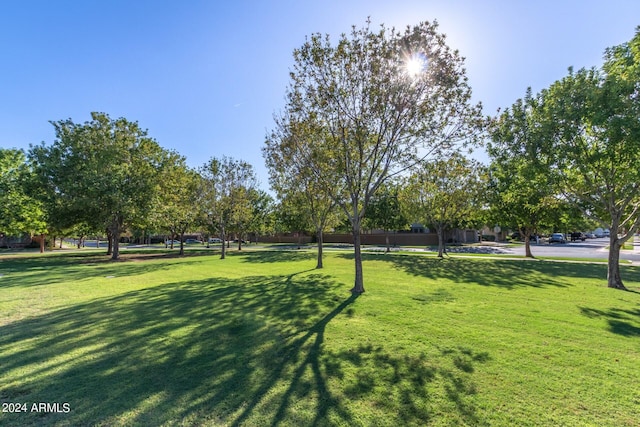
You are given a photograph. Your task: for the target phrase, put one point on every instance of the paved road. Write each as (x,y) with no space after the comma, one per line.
(590,248)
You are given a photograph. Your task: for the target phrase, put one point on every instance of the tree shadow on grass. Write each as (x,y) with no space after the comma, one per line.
(509,274)
(274,256)
(248,351)
(413,386)
(46,270)
(174,352)
(621,321)
(297,386)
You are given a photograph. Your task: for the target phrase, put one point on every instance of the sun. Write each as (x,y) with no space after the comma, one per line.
(415,65)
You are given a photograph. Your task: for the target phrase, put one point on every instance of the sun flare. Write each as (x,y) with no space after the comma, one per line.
(415,65)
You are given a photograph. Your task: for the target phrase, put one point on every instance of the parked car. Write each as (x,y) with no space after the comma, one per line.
(576,235)
(517,236)
(215,240)
(557,238)
(590,235)
(175,242)
(192,241)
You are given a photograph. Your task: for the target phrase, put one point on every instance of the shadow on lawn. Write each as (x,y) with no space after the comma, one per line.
(508,274)
(271,256)
(44,270)
(218,351)
(621,322)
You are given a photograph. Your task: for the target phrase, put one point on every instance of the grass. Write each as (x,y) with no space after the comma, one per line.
(262,338)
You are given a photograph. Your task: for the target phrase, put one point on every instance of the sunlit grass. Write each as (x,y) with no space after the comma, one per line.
(262,338)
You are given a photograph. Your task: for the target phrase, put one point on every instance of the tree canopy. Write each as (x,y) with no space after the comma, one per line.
(442,194)
(306,186)
(102,172)
(20,212)
(522,192)
(594,116)
(375,103)
(227,187)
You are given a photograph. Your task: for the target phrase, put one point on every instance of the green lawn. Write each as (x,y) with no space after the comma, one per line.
(262,338)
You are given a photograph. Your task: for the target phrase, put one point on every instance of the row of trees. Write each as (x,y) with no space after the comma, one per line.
(576,142)
(373,122)
(364,111)
(107,176)
(381,105)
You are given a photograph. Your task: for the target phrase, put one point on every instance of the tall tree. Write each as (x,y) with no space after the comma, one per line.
(299,179)
(522,188)
(103,172)
(262,214)
(377,102)
(594,114)
(224,196)
(292,216)
(441,194)
(178,197)
(384,212)
(20,213)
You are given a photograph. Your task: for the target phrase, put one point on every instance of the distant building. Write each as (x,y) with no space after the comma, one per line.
(419,228)
(15,242)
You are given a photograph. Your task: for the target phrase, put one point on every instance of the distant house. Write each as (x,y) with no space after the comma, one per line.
(457,235)
(419,228)
(15,242)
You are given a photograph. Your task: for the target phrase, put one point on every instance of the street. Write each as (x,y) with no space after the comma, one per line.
(590,248)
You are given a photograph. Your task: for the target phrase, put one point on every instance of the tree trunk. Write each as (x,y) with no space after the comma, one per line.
(116,245)
(386,238)
(115,252)
(319,237)
(440,230)
(613,269)
(527,247)
(358,287)
(182,243)
(109,242)
(116,229)
(223,237)
(239,243)
(41,243)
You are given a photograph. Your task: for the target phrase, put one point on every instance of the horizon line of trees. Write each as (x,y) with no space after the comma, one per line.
(375,133)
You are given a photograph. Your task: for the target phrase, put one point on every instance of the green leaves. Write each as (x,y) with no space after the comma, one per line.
(227,188)
(582,138)
(356,114)
(20,213)
(103,173)
(443,192)
(523,186)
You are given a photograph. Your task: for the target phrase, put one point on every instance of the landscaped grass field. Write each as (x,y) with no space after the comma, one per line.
(262,338)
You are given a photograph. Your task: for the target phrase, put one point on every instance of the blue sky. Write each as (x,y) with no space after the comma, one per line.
(205,77)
